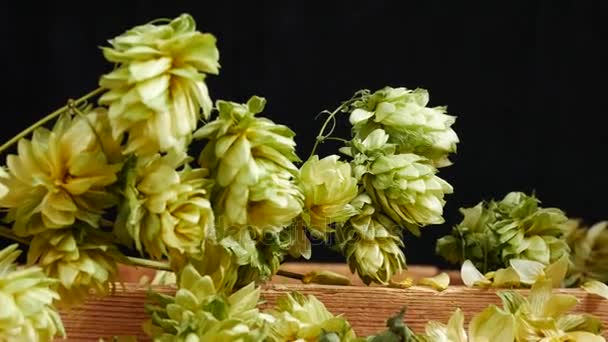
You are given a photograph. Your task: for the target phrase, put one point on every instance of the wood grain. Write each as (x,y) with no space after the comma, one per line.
(365,307)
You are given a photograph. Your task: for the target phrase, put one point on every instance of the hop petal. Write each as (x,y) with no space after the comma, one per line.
(328,188)
(59,176)
(26,299)
(158,90)
(83,260)
(371,243)
(411,125)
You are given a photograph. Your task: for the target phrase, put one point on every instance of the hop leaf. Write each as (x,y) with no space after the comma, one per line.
(328,188)
(59,177)
(412,126)
(371,243)
(83,260)
(251,159)
(158,89)
(300,318)
(26,299)
(166,206)
(198,312)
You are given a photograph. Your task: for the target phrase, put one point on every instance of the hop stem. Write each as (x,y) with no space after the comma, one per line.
(48,118)
(288,274)
(159,265)
(322,136)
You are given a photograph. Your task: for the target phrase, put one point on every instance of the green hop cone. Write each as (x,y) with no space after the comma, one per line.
(59,177)
(158,90)
(328,188)
(198,312)
(301,318)
(589,257)
(371,242)
(81,259)
(26,299)
(411,125)
(166,206)
(251,159)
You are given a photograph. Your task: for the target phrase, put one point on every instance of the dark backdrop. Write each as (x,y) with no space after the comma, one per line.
(525,78)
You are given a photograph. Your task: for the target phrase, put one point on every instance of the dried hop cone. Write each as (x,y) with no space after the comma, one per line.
(26,299)
(198,312)
(58,177)
(589,256)
(328,187)
(372,243)
(166,206)
(157,92)
(251,158)
(301,318)
(404,115)
(82,259)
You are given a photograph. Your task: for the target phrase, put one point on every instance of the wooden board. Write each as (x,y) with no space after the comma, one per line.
(365,307)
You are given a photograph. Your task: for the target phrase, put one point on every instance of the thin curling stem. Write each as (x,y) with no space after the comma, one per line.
(159,265)
(48,118)
(322,136)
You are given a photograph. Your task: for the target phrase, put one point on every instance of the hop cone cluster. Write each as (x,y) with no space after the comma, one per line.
(329,187)
(371,242)
(515,227)
(26,300)
(589,252)
(411,125)
(300,318)
(59,177)
(166,206)
(198,312)
(157,92)
(81,259)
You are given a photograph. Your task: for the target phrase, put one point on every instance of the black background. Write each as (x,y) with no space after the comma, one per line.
(525,78)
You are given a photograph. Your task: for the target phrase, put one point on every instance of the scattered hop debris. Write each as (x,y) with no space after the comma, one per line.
(198,312)
(300,318)
(81,259)
(411,125)
(166,206)
(251,158)
(493,233)
(589,256)
(371,242)
(59,177)
(158,90)
(439,282)
(328,187)
(26,299)
(325,277)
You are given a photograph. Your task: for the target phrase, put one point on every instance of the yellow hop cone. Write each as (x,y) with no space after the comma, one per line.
(26,300)
(251,160)
(158,90)
(589,257)
(371,243)
(166,206)
(328,188)
(83,260)
(301,318)
(411,125)
(58,177)
(199,312)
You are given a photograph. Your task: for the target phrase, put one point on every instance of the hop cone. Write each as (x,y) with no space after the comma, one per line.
(413,126)
(300,318)
(328,188)
(589,257)
(158,90)
(58,177)
(26,300)
(371,242)
(198,312)
(166,206)
(251,160)
(81,259)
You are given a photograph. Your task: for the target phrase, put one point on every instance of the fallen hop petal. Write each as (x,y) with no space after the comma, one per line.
(27,301)
(439,282)
(471,276)
(528,271)
(596,287)
(158,90)
(326,278)
(401,284)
